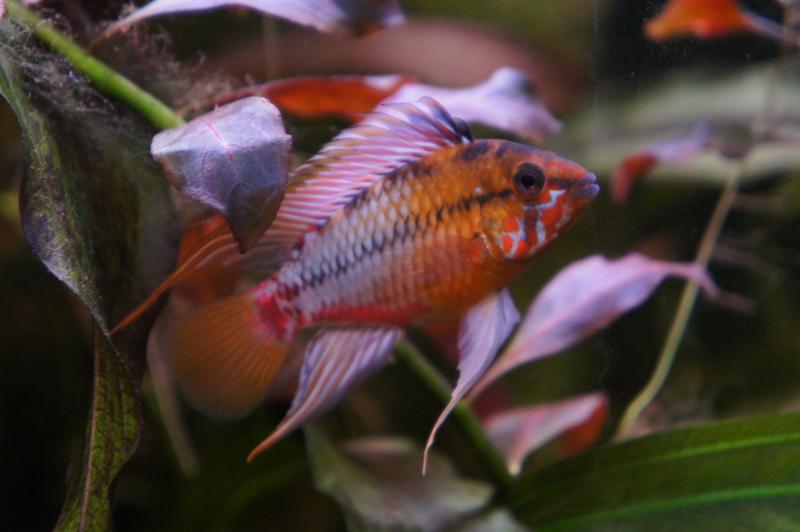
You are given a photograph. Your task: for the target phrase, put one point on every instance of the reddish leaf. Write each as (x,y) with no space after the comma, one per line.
(583,435)
(235,160)
(517,433)
(355,17)
(637,165)
(582,299)
(313,96)
(701,18)
(2,8)
(505,101)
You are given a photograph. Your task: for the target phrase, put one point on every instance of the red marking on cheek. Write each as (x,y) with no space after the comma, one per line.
(508,244)
(551,216)
(511,225)
(523,249)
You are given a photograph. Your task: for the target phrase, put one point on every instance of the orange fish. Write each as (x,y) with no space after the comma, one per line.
(400,220)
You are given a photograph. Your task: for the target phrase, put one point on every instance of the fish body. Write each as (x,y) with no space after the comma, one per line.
(401,220)
(430,239)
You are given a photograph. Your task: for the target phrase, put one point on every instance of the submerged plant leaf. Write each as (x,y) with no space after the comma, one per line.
(735,475)
(315,96)
(96,212)
(636,165)
(604,135)
(235,160)
(701,18)
(377,483)
(354,17)
(582,299)
(112,436)
(517,433)
(506,101)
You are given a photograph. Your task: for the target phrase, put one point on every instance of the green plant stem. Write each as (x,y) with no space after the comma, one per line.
(104,78)
(464,416)
(683,311)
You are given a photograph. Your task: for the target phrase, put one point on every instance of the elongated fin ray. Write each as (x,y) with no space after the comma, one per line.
(222,358)
(483,330)
(219,248)
(334,361)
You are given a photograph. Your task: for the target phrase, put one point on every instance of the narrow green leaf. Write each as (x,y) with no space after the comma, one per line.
(723,476)
(112,435)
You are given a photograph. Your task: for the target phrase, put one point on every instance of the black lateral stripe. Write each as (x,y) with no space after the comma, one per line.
(483,199)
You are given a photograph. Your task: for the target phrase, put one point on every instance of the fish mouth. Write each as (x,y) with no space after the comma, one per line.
(585,189)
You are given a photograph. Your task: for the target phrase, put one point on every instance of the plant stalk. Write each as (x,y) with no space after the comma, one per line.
(464,416)
(683,311)
(103,77)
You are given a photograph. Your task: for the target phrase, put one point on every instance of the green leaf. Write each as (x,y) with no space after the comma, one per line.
(96,212)
(94,205)
(379,485)
(112,436)
(735,475)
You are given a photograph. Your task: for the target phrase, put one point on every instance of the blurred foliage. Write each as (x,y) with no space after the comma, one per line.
(735,360)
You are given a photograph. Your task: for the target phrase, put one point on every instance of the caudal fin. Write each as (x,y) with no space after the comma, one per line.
(222,357)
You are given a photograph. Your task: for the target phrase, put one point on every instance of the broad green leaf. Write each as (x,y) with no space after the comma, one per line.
(95,210)
(735,475)
(379,484)
(93,204)
(112,435)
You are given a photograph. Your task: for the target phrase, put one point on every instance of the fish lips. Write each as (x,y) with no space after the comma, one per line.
(584,189)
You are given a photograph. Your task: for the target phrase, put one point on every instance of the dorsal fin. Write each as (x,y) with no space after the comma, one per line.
(390,137)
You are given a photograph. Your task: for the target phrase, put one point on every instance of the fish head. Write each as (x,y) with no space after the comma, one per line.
(543,194)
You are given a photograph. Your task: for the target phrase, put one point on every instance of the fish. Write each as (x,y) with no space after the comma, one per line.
(403,219)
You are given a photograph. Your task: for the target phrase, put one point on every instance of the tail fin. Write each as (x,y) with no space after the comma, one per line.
(223,358)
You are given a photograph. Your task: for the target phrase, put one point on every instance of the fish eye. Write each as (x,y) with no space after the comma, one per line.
(529,180)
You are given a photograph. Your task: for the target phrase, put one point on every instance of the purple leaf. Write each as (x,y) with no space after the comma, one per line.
(506,101)
(582,299)
(235,160)
(517,433)
(354,17)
